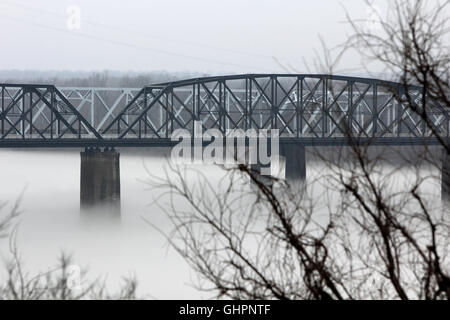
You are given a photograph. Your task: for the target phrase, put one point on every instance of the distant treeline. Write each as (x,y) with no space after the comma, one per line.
(94,79)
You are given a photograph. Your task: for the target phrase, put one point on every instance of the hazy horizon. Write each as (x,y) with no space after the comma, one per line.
(177,36)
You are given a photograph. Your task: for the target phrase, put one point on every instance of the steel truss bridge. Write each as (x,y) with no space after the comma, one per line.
(306,108)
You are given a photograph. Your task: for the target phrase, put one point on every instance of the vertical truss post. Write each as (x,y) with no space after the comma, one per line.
(447,117)
(350,106)
(297,107)
(92,107)
(140,128)
(246,119)
(324,105)
(424,110)
(31,113)
(172,113)
(161,114)
(250,101)
(389,116)
(143,120)
(140,120)
(58,123)
(79,129)
(397,106)
(374,109)
(199,103)
(22,112)
(127,100)
(273,118)
(3,110)
(194,95)
(227,108)
(52,99)
(221,112)
(302,106)
(168,111)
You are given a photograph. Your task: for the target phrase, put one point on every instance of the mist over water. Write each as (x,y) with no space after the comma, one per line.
(50,221)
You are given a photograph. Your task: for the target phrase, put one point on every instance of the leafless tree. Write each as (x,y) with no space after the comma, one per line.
(361,236)
(7,217)
(63,282)
(412,43)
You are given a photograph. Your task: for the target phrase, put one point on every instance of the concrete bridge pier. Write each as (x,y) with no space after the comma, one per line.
(292,160)
(100,184)
(445,183)
(294,156)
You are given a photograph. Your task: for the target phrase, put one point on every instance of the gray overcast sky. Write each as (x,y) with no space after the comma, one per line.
(175,35)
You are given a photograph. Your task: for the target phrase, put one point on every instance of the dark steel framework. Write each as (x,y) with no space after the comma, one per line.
(305,108)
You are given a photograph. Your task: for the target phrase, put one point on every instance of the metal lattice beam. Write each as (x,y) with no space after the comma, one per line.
(312,109)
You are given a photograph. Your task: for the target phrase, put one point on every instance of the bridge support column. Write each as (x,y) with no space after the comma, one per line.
(295,160)
(100,184)
(445,183)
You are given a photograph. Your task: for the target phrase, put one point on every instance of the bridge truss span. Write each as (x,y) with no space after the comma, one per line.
(313,109)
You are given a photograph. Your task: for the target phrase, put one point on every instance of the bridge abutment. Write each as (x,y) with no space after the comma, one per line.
(445,183)
(100,184)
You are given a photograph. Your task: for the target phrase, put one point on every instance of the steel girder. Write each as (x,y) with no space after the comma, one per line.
(40,112)
(313,109)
